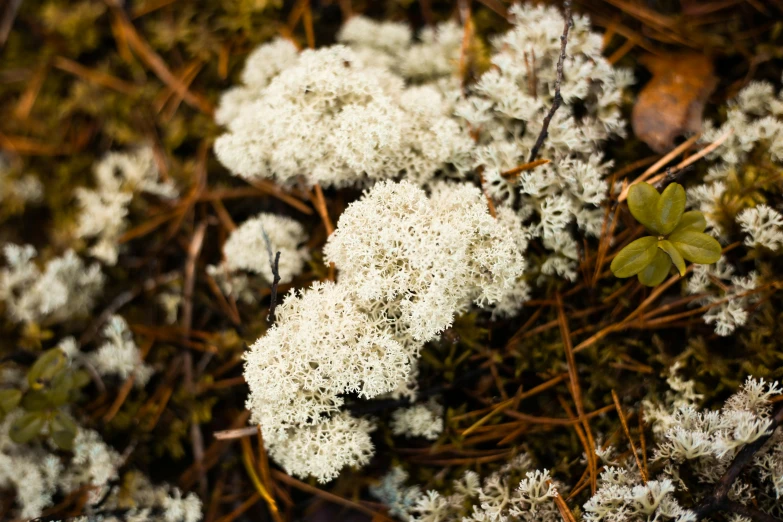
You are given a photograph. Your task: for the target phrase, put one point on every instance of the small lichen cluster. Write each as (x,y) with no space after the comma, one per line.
(118,176)
(63,290)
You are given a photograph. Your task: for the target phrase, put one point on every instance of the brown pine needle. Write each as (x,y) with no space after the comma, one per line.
(25,146)
(660,163)
(93,76)
(694,158)
(628,435)
(643,441)
(565,511)
(154,61)
(291,481)
(576,391)
(263,462)
(516,171)
(248,460)
(307,21)
(273,190)
(467,35)
(26,102)
(244,506)
(497,409)
(149,7)
(490,203)
(621,51)
(296,13)
(320,206)
(317,197)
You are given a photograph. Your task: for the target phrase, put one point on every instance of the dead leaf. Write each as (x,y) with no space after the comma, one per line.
(672,102)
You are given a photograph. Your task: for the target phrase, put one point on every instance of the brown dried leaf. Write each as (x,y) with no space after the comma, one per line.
(672,102)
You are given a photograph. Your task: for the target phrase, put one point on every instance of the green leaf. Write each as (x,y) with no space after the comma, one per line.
(9,399)
(27,426)
(49,364)
(654,273)
(61,387)
(696,247)
(80,379)
(643,204)
(632,259)
(670,207)
(36,400)
(63,430)
(674,254)
(692,220)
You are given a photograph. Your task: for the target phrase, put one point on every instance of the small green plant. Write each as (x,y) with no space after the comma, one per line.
(53,384)
(677,236)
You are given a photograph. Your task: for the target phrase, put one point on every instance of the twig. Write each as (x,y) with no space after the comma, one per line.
(274,264)
(718,500)
(197,440)
(558,99)
(235,433)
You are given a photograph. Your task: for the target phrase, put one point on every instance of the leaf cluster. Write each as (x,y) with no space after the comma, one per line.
(677,236)
(53,383)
